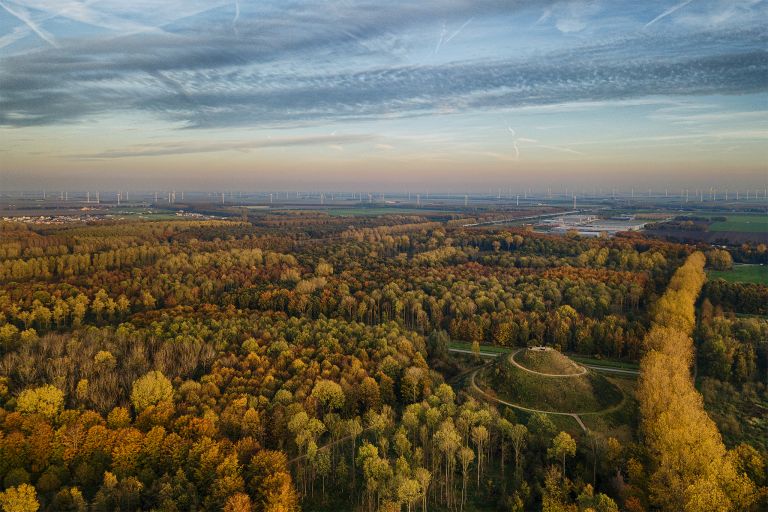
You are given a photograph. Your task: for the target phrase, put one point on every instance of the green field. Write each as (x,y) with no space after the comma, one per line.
(742,274)
(742,224)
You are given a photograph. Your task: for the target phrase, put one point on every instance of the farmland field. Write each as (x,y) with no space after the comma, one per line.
(742,274)
(743,224)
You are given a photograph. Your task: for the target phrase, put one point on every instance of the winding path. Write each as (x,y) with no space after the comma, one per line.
(576,416)
(477,389)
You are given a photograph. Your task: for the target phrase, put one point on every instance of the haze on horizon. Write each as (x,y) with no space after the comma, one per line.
(442,94)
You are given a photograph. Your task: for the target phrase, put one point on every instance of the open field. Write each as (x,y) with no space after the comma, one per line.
(742,223)
(742,274)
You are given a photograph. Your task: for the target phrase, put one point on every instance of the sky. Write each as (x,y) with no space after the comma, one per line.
(442,95)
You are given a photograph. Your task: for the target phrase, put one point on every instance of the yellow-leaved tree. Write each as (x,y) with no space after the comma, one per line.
(46,400)
(22,498)
(151,389)
(691,468)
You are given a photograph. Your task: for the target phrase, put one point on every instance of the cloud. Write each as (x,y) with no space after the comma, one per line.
(192,147)
(572,15)
(668,12)
(278,73)
(24,16)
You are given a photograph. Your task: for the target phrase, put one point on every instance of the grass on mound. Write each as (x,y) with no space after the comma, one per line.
(547,361)
(590,392)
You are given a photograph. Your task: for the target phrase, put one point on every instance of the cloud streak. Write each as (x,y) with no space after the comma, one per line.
(195,147)
(23,15)
(669,11)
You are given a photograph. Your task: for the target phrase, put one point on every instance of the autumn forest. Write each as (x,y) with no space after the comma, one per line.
(301,361)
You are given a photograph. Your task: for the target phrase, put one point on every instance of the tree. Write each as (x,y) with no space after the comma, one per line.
(239,502)
(270,482)
(518,436)
(466,456)
(22,498)
(720,259)
(151,389)
(480,437)
(448,442)
(322,465)
(354,428)
(329,394)
(46,400)
(408,491)
(323,269)
(563,445)
(424,477)
(587,500)
(556,489)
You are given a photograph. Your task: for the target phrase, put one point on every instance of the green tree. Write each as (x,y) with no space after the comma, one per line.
(408,492)
(563,445)
(518,435)
(328,394)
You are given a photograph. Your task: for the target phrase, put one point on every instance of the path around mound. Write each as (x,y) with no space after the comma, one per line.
(575,415)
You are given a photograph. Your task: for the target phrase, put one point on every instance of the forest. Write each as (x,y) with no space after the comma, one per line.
(299,361)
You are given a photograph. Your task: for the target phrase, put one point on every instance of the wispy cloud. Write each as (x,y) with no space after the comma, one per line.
(669,11)
(294,65)
(193,147)
(24,16)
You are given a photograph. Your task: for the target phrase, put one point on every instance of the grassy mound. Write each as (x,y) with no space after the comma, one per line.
(590,392)
(547,361)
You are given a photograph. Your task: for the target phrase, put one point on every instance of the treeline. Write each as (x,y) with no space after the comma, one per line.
(689,468)
(492,288)
(19,240)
